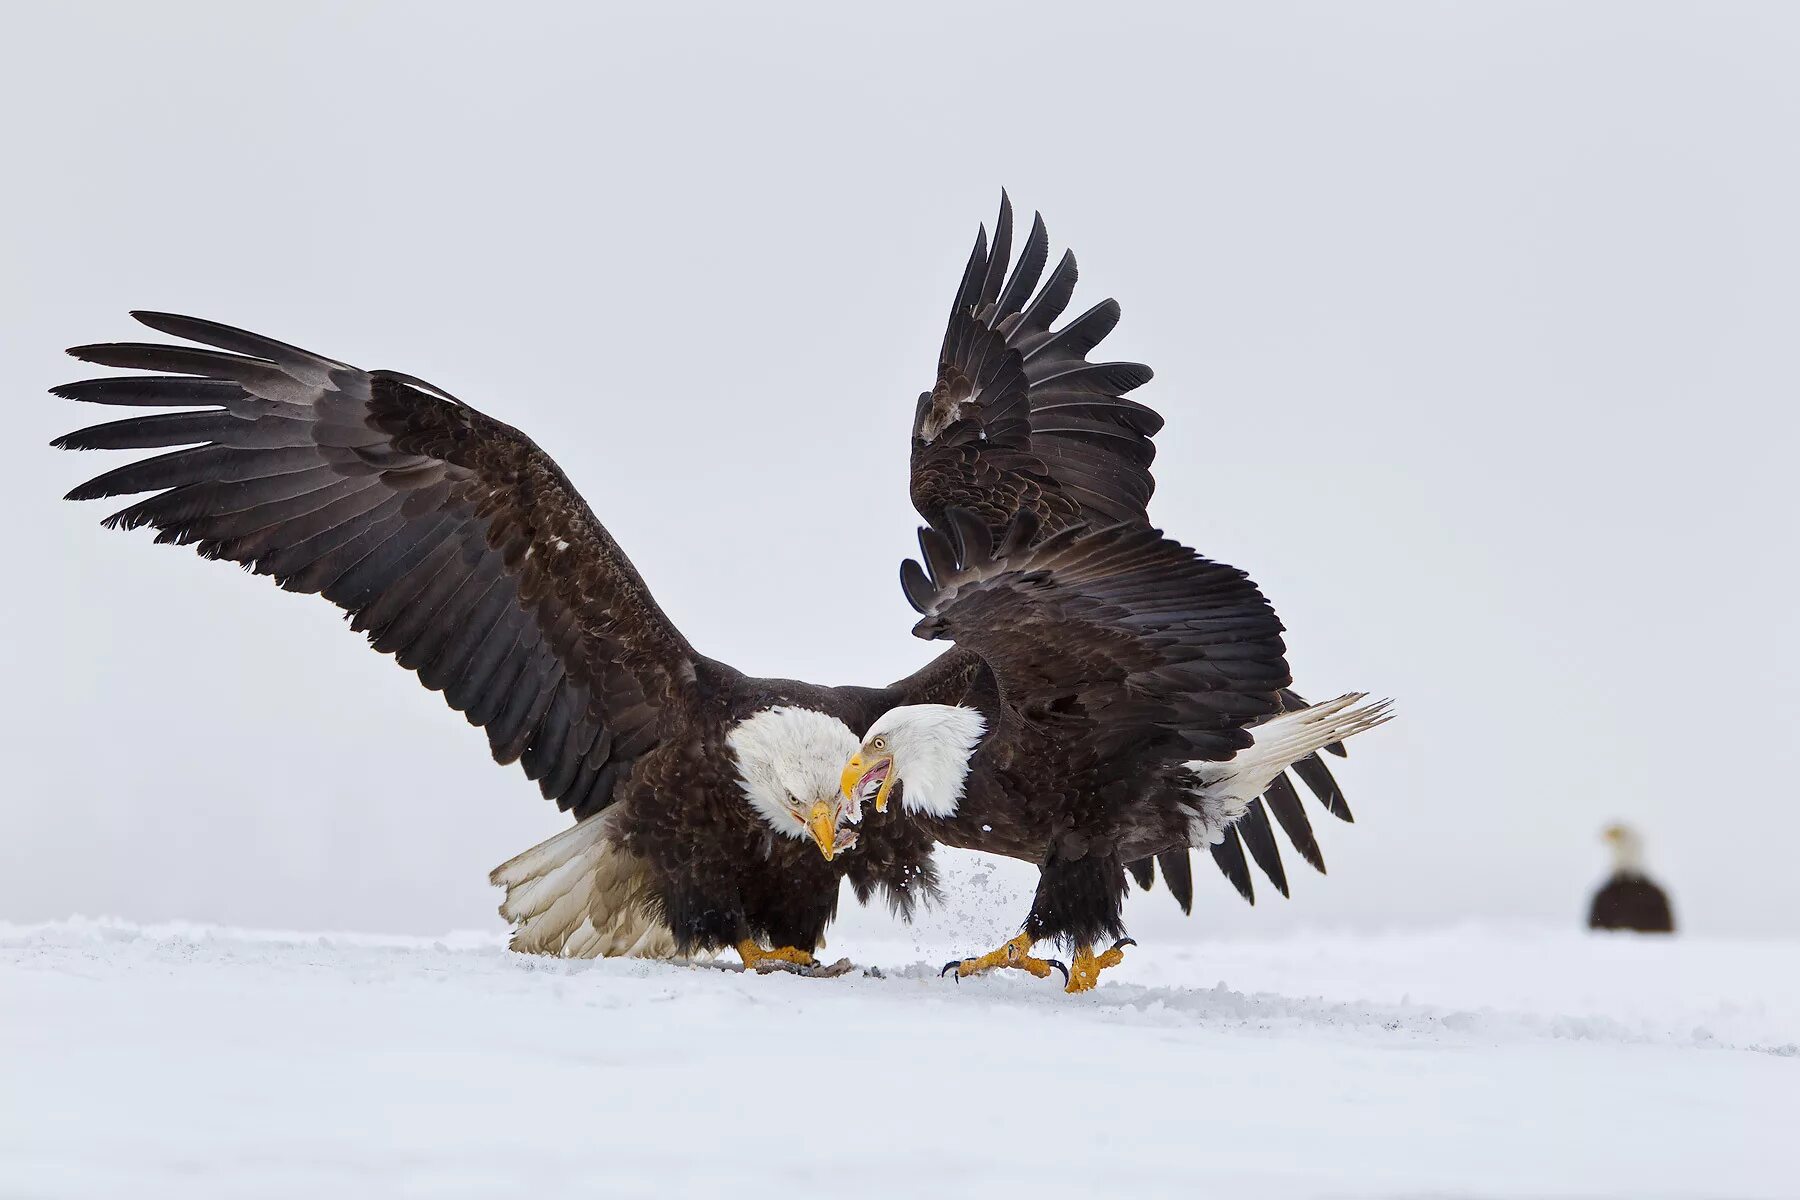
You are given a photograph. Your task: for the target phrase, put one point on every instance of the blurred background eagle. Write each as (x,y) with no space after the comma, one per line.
(1629,899)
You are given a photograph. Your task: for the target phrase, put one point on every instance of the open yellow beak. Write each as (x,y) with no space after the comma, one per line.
(856,768)
(822,824)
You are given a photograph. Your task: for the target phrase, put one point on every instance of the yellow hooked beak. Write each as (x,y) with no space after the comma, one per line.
(858,768)
(822,824)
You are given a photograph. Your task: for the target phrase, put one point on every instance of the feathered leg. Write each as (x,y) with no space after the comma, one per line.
(707,918)
(787,926)
(1079,897)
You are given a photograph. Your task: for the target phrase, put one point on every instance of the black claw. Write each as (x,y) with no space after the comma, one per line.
(1057,963)
(951,966)
(1124,942)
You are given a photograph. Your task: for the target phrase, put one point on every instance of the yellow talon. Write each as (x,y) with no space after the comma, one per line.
(1015,954)
(757,959)
(1084,971)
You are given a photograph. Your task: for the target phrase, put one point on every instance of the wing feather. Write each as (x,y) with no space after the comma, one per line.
(1228,853)
(1259,839)
(1178,877)
(1284,801)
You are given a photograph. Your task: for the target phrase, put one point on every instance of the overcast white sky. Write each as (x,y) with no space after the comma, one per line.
(1474,328)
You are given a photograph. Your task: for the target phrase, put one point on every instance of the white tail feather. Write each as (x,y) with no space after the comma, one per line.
(582,895)
(1227,788)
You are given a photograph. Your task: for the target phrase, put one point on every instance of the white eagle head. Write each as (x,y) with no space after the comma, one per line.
(789,761)
(928,746)
(1627,848)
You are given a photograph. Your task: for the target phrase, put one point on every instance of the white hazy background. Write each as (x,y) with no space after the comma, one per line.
(1474,328)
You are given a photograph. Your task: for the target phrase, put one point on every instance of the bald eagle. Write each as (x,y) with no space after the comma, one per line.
(1629,899)
(1109,733)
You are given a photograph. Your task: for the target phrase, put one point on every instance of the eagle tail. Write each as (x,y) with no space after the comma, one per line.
(1284,740)
(582,895)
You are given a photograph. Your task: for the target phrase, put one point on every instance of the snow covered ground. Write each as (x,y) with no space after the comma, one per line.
(200,1062)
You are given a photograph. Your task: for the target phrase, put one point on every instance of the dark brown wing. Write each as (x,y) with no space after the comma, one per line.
(449,538)
(1124,638)
(1019,420)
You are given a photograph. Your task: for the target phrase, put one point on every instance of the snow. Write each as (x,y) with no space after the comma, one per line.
(197,1061)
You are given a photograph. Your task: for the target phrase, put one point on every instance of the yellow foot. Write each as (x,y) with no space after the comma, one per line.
(1015,954)
(1084,972)
(782,959)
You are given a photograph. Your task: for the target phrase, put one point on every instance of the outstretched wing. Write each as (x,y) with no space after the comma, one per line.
(1019,420)
(449,538)
(1123,638)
